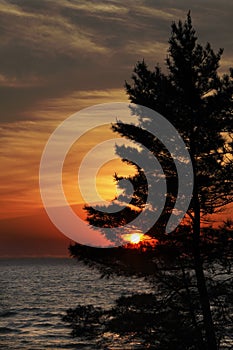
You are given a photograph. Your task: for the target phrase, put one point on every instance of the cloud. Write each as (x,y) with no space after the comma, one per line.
(113,8)
(51,49)
(165,13)
(22,144)
(58,57)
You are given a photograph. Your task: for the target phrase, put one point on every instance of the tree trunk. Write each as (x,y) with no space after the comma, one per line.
(199,337)
(201,281)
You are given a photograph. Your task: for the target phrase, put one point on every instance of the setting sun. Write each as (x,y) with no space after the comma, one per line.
(134,238)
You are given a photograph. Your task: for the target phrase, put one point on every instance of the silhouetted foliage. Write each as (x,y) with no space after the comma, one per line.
(190,269)
(171,316)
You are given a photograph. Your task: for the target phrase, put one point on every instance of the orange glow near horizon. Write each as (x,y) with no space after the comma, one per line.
(134,238)
(138,239)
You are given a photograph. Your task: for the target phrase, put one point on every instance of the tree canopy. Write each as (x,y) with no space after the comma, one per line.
(191,303)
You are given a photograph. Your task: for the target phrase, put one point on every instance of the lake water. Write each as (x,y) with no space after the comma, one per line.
(35,293)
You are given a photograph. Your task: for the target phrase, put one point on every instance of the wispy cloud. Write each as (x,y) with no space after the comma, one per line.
(22,144)
(51,49)
(58,57)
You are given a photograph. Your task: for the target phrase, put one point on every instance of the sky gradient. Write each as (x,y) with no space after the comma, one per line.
(58,57)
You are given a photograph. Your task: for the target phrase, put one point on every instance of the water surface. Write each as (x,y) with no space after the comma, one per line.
(36,292)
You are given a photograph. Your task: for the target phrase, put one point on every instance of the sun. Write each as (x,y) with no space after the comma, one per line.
(137,238)
(133,238)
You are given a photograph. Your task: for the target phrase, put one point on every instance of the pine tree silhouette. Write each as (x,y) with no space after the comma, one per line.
(198,102)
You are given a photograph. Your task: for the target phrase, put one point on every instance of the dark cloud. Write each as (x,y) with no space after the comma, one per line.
(53,48)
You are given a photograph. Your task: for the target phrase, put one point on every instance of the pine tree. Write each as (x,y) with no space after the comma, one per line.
(198,102)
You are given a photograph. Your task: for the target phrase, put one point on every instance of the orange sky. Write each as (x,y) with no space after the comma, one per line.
(75,55)
(24,224)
